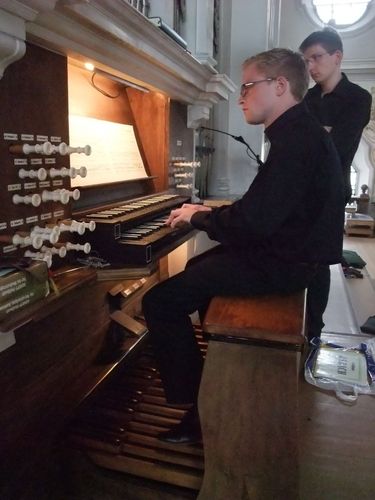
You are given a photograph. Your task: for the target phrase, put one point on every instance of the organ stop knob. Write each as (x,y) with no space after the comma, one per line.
(30,199)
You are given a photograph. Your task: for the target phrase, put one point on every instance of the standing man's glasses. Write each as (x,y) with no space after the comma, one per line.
(248,85)
(316,57)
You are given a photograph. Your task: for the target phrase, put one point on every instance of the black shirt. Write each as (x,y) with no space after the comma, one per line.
(293,210)
(347,110)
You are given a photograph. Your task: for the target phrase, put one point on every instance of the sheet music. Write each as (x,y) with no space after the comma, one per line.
(115,154)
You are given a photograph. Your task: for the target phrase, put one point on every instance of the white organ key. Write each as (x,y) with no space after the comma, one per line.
(68,172)
(73,227)
(86,247)
(61,195)
(185,175)
(59,172)
(61,252)
(53,238)
(46,257)
(50,234)
(45,149)
(90,225)
(82,172)
(46,230)
(65,149)
(75,194)
(192,164)
(33,240)
(30,199)
(40,174)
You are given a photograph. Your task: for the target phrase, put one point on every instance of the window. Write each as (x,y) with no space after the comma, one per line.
(343,15)
(354,178)
(341,12)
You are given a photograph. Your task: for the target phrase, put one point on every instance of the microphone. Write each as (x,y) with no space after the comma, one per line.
(238,138)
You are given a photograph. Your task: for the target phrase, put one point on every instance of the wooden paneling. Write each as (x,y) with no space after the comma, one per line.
(151,117)
(265,318)
(34,101)
(55,362)
(85,100)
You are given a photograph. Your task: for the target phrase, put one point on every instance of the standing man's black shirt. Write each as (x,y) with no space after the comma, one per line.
(347,111)
(294,209)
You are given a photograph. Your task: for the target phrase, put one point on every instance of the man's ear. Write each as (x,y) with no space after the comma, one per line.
(338,55)
(281,85)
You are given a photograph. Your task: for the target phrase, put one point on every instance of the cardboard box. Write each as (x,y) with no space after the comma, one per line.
(22,287)
(18,280)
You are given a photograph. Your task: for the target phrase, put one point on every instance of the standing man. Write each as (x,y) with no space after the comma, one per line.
(343,109)
(287,223)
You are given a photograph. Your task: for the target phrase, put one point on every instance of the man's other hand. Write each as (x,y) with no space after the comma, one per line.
(182,215)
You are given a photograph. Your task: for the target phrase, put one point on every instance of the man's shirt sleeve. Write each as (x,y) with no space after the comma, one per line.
(346,132)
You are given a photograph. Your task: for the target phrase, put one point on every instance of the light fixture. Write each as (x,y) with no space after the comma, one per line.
(119,80)
(89,66)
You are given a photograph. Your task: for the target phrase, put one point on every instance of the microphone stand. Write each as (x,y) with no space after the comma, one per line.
(238,138)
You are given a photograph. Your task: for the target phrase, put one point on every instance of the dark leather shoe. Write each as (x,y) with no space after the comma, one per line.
(188,431)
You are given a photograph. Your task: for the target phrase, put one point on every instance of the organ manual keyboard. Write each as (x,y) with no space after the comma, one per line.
(134,232)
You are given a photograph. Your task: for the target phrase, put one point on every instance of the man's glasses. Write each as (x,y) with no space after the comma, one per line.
(315,58)
(248,85)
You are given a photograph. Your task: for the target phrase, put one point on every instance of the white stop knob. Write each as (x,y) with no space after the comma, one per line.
(86,247)
(40,174)
(61,252)
(30,199)
(82,172)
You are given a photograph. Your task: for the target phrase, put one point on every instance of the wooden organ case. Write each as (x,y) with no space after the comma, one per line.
(69,343)
(33,122)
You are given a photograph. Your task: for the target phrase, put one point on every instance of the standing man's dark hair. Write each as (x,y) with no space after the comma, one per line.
(327,38)
(343,109)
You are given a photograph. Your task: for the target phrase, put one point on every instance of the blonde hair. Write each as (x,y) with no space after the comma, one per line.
(286,63)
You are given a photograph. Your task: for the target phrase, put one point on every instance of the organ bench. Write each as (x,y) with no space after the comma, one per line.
(248,402)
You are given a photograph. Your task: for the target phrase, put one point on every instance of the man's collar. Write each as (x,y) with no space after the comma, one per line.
(290,114)
(340,89)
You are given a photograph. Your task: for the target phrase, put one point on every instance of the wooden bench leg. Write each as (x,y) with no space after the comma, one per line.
(248,409)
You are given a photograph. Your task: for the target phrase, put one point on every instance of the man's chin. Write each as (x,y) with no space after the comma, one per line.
(253,121)
(317,79)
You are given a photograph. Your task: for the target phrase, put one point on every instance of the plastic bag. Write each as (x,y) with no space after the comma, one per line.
(348,371)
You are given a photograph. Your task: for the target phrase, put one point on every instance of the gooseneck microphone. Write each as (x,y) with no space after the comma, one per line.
(239,138)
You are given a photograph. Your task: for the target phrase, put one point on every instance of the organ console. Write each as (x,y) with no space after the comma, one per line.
(70,342)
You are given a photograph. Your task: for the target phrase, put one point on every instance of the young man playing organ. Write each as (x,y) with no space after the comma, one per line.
(271,240)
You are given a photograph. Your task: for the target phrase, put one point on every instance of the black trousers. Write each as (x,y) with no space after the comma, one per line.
(167,307)
(317,299)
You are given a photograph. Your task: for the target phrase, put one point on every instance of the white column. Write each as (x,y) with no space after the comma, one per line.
(246,28)
(198,30)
